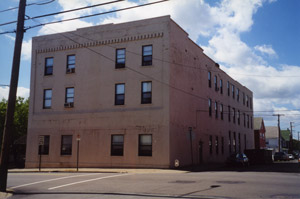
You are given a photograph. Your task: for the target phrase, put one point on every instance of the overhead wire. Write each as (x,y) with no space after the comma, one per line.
(30,4)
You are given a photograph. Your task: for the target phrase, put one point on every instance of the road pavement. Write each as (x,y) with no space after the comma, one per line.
(249,183)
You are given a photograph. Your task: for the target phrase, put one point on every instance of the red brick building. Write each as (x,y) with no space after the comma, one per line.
(259,133)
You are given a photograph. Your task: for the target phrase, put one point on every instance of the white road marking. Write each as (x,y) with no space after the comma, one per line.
(79,182)
(38,182)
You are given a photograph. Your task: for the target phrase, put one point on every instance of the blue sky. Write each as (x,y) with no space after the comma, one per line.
(255,41)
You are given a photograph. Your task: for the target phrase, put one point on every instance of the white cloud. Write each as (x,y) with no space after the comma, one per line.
(26,50)
(21,92)
(266,49)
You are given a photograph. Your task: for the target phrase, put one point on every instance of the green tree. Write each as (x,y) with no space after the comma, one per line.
(20,118)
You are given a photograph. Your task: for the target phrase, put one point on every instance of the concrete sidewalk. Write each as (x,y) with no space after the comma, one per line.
(96,170)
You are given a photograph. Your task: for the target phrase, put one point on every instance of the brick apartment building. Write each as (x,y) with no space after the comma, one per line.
(138,94)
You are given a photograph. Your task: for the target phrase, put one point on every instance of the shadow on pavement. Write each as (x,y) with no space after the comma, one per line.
(284,167)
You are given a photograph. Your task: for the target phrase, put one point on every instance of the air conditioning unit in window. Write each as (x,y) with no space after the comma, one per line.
(69,105)
(70,70)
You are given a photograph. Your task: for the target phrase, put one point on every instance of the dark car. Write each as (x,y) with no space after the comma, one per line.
(279,156)
(238,159)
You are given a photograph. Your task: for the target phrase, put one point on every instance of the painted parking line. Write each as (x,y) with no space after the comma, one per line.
(84,181)
(38,182)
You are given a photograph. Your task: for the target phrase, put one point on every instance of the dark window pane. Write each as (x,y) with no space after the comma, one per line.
(145,145)
(44,149)
(147,55)
(117,145)
(66,145)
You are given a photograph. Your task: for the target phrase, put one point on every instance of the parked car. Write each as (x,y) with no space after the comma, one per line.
(291,157)
(279,156)
(295,154)
(238,159)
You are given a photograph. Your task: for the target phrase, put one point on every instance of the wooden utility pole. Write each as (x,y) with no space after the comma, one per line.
(279,134)
(9,119)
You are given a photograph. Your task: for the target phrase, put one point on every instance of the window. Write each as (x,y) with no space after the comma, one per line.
(147,55)
(216,109)
(119,94)
(69,99)
(216,83)
(234,142)
(145,145)
(47,98)
(247,121)
(250,102)
(244,119)
(222,145)
(221,86)
(232,89)
(120,58)
(221,111)
(209,107)
(233,115)
(229,142)
(251,123)
(229,113)
(117,145)
(146,92)
(210,145)
(239,142)
(238,94)
(49,66)
(66,145)
(44,149)
(71,64)
(238,117)
(243,98)
(209,79)
(228,88)
(217,145)
(247,101)
(245,140)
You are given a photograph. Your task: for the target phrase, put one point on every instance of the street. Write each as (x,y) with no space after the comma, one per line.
(205,184)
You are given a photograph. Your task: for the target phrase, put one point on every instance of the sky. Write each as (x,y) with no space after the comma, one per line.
(254,41)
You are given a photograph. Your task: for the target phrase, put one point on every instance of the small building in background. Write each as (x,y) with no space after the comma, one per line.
(259,133)
(271,135)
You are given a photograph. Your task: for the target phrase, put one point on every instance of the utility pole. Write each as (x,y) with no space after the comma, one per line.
(8,126)
(279,134)
(291,138)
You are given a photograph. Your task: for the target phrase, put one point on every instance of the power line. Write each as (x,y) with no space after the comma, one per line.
(93,15)
(66,11)
(38,4)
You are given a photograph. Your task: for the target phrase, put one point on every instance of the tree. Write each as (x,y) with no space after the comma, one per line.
(20,120)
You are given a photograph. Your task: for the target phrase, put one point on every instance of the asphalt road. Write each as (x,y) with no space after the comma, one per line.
(208,184)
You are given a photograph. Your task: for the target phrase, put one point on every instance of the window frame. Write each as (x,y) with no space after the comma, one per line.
(121,64)
(229,142)
(117,95)
(66,95)
(144,62)
(46,73)
(210,145)
(209,79)
(216,109)
(209,107)
(69,151)
(44,99)
(143,152)
(216,82)
(70,69)
(217,145)
(221,111)
(221,86)
(143,99)
(117,148)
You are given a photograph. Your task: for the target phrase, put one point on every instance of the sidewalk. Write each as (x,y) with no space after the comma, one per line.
(96,170)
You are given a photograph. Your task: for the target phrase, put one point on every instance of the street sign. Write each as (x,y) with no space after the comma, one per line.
(41,140)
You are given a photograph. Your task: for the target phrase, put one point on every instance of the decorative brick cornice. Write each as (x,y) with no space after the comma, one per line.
(102,42)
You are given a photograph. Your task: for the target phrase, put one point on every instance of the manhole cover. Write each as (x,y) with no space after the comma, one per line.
(230,182)
(183,181)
